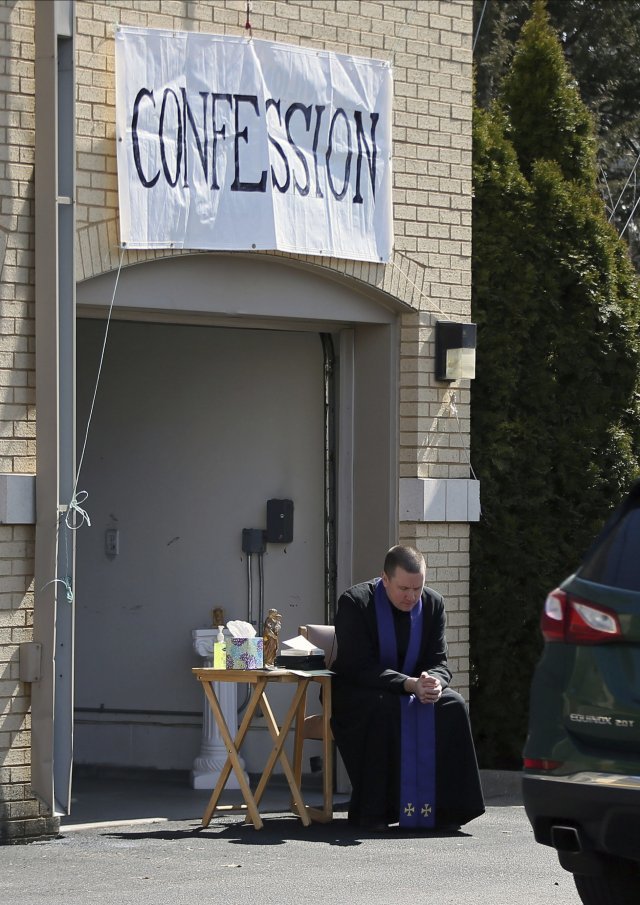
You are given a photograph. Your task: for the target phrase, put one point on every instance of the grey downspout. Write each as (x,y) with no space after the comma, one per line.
(52,693)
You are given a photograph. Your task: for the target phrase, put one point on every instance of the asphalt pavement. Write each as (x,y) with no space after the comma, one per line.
(151,859)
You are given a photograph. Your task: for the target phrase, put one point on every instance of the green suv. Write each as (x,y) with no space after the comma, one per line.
(581,782)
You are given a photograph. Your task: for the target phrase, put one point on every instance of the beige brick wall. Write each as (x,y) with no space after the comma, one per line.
(429,45)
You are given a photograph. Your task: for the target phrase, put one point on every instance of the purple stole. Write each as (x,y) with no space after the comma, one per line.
(417,721)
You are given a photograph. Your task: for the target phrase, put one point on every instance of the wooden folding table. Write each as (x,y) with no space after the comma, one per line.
(259,679)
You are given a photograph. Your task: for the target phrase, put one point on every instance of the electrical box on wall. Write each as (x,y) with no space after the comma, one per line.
(112,541)
(279,521)
(253,540)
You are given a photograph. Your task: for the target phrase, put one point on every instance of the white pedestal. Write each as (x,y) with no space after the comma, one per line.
(213,754)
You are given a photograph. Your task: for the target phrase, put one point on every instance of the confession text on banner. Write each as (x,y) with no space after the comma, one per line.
(233,144)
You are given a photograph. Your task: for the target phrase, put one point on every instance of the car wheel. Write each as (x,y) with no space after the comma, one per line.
(608,890)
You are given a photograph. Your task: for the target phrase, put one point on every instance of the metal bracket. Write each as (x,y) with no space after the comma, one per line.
(30,668)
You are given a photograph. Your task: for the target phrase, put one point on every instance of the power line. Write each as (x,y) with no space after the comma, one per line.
(624,189)
(484,6)
(630,217)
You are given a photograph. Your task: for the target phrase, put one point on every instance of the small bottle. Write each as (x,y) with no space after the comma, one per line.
(220,635)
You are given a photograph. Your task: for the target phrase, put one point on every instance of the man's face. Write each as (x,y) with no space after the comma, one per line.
(403,588)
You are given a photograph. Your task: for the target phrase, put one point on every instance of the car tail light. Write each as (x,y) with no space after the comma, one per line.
(540,763)
(576,621)
(553,619)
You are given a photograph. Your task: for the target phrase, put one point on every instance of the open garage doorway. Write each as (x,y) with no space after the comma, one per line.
(212,400)
(194,429)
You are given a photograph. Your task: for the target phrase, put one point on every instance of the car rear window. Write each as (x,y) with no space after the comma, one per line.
(615,561)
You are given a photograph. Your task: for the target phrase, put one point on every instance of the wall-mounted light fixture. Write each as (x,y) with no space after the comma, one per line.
(455,351)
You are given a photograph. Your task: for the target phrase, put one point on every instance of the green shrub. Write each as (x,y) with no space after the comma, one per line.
(555,423)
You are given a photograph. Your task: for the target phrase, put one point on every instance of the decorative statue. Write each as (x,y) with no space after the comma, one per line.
(270,632)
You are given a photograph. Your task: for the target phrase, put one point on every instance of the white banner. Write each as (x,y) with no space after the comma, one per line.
(232,144)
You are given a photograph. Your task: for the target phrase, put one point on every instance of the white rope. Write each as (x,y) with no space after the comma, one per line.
(74,515)
(76,511)
(95,391)
(453,408)
(420,292)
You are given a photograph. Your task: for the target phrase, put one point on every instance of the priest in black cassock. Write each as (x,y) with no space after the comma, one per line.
(403,734)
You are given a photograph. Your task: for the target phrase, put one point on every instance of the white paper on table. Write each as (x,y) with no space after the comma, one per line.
(302,645)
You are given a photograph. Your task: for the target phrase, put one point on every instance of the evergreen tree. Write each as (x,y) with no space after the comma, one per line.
(555,422)
(601,43)
(600,40)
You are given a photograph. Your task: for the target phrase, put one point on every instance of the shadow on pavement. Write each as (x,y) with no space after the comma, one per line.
(280,830)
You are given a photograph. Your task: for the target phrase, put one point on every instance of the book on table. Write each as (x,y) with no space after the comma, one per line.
(300,653)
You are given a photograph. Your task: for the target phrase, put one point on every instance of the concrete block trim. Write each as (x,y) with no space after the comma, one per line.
(401,282)
(17,499)
(439,500)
